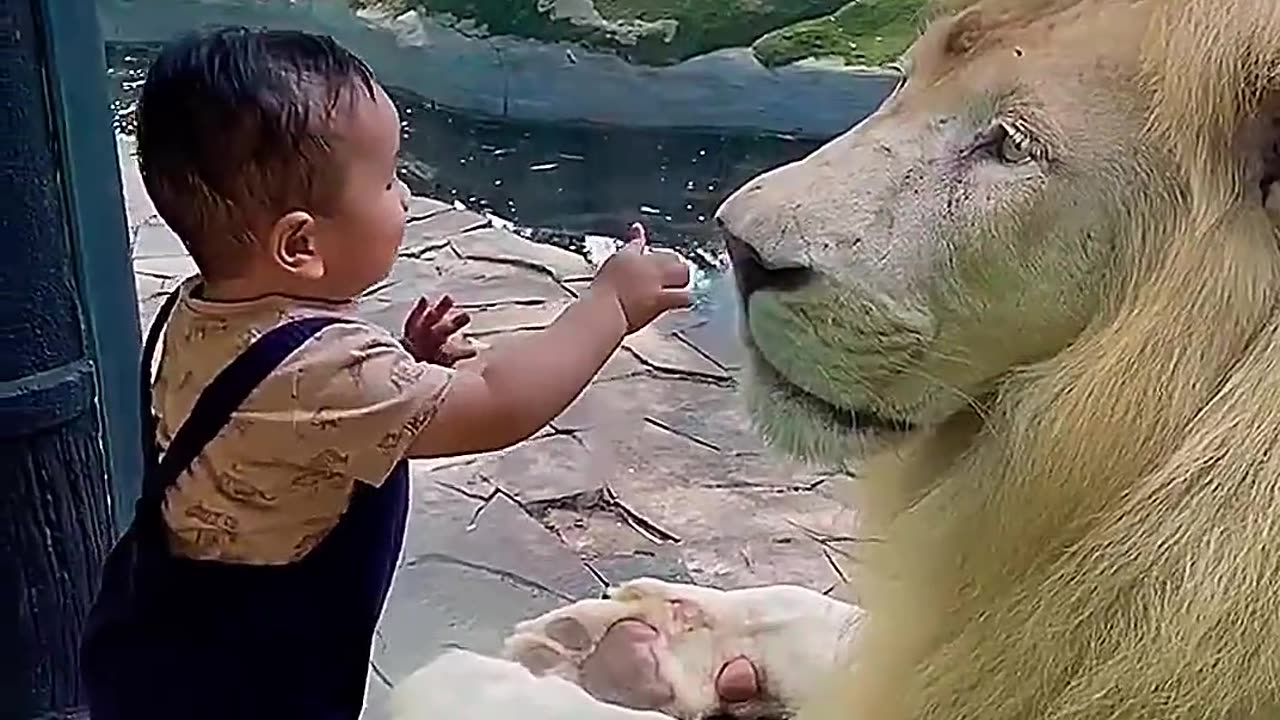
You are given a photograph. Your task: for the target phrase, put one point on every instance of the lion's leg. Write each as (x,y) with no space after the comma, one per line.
(688,651)
(461,685)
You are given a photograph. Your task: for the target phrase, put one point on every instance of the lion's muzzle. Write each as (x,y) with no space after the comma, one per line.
(752,274)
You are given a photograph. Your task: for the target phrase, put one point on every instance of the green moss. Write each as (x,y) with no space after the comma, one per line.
(864,32)
(707,25)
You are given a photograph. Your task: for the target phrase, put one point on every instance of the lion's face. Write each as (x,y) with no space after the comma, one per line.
(967,228)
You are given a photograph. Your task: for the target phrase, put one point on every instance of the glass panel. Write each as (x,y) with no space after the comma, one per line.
(562,122)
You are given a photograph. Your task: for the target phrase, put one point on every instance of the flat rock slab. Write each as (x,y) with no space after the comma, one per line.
(156,241)
(139,209)
(615,548)
(537,473)
(716,340)
(636,398)
(500,319)
(698,495)
(752,562)
(441,225)
(472,569)
(498,245)
(439,605)
(668,353)
(168,267)
(707,414)
(621,365)
(663,564)
(151,291)
(492,530)
(376,699)
(546,470)
(472,284)
(421,208)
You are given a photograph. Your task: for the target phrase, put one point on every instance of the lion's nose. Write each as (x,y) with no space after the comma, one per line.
(753,273)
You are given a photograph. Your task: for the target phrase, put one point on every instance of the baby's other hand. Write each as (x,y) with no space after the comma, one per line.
(431,333)
(646,284)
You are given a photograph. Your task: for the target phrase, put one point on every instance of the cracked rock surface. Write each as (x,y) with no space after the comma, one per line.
(654,471)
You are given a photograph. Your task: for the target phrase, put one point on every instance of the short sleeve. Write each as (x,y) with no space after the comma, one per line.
(354,392)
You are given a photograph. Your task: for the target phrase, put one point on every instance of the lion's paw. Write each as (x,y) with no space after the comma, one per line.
(461,685)
(689,651)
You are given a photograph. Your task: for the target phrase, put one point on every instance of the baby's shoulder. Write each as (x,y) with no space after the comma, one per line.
(202,338)
(352,363)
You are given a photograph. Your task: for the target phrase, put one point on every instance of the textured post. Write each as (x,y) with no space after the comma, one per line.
(68,346)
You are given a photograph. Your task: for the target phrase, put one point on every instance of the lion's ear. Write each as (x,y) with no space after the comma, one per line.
(1266,146)
(1215,66)
(1271,200)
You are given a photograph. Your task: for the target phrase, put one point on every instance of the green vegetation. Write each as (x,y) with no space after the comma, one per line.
(707,25)
(662,32)
(864,32)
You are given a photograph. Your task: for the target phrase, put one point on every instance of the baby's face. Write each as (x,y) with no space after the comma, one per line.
(359,238)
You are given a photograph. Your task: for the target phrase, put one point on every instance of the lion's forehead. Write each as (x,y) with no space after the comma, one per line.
(1024,35)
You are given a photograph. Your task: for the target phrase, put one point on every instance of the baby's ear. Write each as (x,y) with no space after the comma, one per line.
(292,244)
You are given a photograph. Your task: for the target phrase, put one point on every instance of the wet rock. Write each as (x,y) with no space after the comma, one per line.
(421,208)
(157,241)
(496,245)
(472,569)
(170,267)
(670,354)
(442,225)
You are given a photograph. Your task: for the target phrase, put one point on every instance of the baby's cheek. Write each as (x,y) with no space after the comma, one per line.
(403,195)
(397,214)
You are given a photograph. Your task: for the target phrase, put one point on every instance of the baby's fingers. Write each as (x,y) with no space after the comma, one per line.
(672,269)
(637,239)
(437,313)
(674,300)
(453,324)
(414,320)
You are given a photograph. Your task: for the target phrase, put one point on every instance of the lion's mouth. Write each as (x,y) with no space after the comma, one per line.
(851,420)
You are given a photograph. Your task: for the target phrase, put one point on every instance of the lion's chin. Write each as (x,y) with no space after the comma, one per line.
(812,429)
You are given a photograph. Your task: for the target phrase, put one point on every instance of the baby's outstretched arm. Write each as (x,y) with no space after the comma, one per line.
(529,382)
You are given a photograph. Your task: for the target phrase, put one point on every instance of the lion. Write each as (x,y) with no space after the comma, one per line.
(1036,297)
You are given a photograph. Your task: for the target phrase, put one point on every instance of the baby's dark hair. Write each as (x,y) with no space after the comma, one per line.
(234,127)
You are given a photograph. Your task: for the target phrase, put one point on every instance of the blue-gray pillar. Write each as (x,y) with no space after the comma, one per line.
(69,446)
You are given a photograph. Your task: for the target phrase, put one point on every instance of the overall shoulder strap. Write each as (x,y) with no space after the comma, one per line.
(149,349)
(228,390)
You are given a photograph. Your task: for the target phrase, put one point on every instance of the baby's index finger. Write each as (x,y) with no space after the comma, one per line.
(438,311)
(637,238)
(415,315)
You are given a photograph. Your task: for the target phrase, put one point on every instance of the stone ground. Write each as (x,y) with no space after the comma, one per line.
(653,471)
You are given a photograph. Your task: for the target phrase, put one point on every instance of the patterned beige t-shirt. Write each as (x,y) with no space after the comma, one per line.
(342,409)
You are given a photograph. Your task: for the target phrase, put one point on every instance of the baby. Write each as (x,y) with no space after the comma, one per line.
(271,521)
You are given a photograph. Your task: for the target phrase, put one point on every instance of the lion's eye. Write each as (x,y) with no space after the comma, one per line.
(1011,144)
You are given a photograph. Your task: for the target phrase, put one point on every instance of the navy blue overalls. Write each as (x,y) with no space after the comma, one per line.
(181,639)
